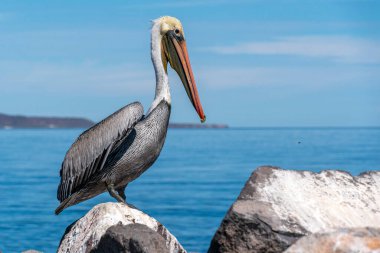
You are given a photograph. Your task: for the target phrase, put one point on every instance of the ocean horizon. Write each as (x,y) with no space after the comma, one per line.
(189,189)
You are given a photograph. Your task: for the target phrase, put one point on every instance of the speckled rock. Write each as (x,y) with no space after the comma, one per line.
(277,207)
(85,234)
(354,240)
(132,238)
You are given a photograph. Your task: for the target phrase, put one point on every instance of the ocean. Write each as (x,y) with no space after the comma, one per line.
(198,175)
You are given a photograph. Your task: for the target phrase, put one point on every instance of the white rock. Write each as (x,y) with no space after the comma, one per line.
(354,240)
(321,202)
(276,207)
(85,233)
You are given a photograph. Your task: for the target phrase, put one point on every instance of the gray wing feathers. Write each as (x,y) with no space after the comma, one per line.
(89,152)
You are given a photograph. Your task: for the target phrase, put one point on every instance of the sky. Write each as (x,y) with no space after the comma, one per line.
(256,63)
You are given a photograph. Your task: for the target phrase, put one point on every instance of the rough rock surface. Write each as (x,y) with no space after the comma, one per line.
(363,240)
(87,233)
(136,238)
(276,207)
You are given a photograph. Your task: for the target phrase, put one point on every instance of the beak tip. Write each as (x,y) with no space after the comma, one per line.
(204,119)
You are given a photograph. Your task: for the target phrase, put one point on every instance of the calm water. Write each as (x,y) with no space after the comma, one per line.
(189,189)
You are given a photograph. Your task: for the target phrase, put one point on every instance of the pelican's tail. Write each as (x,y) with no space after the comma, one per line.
(66,203)
(85,193)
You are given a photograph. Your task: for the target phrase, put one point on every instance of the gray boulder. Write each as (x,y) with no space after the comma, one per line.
(277,207)
(132,238)
(354,240)
(127,228)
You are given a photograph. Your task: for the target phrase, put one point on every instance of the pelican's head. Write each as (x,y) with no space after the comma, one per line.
(174,51)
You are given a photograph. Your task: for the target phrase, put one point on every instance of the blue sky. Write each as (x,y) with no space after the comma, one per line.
(257,63)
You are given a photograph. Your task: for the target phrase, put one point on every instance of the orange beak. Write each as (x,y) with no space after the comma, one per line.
(180,62)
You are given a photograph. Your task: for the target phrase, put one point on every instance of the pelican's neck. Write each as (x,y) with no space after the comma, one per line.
(162,81)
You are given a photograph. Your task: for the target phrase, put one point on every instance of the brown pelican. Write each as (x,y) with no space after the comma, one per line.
(121,147)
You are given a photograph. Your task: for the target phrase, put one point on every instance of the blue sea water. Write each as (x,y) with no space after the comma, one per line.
(189,189)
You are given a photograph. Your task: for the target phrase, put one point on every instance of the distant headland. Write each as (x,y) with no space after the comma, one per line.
(199,125)
(9,121)
(12,121)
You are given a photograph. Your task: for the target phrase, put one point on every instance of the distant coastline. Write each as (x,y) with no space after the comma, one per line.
(10,121)
(19,122)
(199,125)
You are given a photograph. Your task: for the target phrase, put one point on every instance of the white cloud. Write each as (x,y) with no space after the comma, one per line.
(310,78)
(87,77)
(336,48)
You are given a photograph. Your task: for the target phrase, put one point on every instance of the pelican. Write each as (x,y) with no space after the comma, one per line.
(118,149)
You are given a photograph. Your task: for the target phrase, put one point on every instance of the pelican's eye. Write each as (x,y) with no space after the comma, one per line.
(176,31)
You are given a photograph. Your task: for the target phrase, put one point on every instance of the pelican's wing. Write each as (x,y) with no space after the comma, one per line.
(89,152)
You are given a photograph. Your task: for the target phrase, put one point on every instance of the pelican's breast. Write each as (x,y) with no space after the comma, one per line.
(142,147)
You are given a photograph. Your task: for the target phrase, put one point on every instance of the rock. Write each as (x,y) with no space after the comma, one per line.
(131,238)
(276,207)
(363,240)
(91,232)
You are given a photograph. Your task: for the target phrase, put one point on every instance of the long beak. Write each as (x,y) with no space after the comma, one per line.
(180,62)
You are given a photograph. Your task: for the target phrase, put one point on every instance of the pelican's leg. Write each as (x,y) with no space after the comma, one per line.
(121,191)
(114,193)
